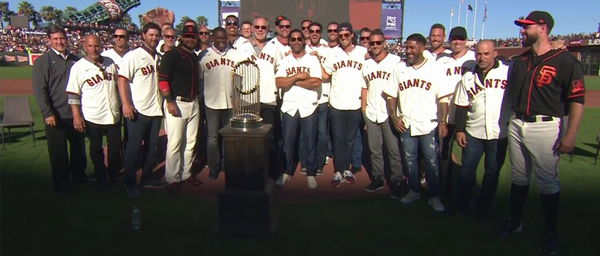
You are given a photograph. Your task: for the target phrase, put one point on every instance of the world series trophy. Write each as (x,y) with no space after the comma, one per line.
(245,205)
(246,95)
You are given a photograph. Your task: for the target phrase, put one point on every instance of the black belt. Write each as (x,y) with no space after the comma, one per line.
(535,118)
(184,99)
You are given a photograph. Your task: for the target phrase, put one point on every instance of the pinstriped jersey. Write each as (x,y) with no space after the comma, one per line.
(453,69)
(141,69)
(347,80)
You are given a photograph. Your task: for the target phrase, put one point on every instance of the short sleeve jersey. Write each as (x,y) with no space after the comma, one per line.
(180,68)
(112,54)
(544,85)
(378,76)
(267,60)
(347,81)
(299,99)
(97,89)
(453,71)
(418,91)
(141,69)
(323,52)
(483,95)
(216,68)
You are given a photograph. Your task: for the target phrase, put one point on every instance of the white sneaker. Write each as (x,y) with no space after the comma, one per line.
(312,182)
(349,177)
(410,197)
(436,204)
(337,179)
(283,179)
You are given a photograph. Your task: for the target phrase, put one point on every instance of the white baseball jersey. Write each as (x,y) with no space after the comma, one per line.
(453,69)
(299,99)
(267,60)
(112,54)
(243,45)
(216,68)
(140,68)
(488,114)
(430,55)
(97,90)
(347,80)
(323,52)
(418,91)
(282,50)
(378,76)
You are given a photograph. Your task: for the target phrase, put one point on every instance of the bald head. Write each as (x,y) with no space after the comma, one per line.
(486,54)
(92,46)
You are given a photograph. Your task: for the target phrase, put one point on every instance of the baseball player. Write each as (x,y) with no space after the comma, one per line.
(120,46)
(345,65)
(215,68)
(178,82)
(453,66)
(169,36)
(49,80)
(363,38)
(141,105)
(319,48)
(544,85)
(437,33)
(332,34)
(299,77)
(380,131)
(415,107)
(235,40)
(482,117)
(94,100)
(283,26)
(246,30)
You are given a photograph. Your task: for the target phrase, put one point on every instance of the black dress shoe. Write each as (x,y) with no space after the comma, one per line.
(213,175)
(174,188)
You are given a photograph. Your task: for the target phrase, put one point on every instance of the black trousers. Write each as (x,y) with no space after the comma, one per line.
(65,163)
(95,134)
(142,129)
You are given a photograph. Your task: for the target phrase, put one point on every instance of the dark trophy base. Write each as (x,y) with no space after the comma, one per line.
(246,206)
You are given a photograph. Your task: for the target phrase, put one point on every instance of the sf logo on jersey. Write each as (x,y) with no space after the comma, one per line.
(546,75)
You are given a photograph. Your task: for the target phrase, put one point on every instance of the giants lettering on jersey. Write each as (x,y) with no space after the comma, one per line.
(148,70)
(489,83)
(219,62)
(456,71)
(348,64)
(417,83)
(97,79)
(378,75)
(295,70)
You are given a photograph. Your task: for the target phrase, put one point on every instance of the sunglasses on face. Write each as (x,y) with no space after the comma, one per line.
(204,33)
(331,30)
(372,43)
(119,36)
(315,31)
(362,38)
(294,39)
(189,36)
(345,35)
(260,27)
(285,26)
(231,23)
(304,28)
(169,36)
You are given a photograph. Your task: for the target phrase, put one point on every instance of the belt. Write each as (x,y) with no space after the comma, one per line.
(184,99)
(534,118)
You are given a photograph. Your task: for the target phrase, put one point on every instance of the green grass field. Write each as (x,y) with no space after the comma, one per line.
(35,221)
(15,72)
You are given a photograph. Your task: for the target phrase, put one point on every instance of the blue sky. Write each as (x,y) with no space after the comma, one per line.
(573,16)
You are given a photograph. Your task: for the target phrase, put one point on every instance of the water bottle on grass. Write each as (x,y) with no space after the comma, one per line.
(136,222)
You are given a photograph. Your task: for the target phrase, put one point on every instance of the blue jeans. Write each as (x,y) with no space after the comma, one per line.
(215,120)
(344,125)
(322,135)
(295,128)
(146,129)
(428,145)
(495,153)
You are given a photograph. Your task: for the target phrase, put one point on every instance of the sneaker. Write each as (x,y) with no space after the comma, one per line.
(303,170)
(398,190)
(174,188)
(319,172)
(549,244)
(154,183)
(509,228)
(410,197)
(133,191)
(312,182)
(376,184)
(349,177)
(436,204)
(327,160)
(284,178)
(337,179)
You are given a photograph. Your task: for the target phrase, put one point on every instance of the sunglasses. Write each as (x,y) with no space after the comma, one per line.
(260,27)
(315,31)
(345,35)
(294,39)
(168,36)
(231,23)
(285,26)
(204,33)
(332,30)
(190,36)
(371,43)
(304,28)
(119,36)
(362,38)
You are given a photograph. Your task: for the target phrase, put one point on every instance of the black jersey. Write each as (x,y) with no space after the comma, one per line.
(544,85)
(181,69)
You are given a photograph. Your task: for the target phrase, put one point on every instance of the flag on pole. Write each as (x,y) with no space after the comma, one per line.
(485,12)
(470,8)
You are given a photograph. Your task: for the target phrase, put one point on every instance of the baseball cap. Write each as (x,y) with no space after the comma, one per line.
(346,26)
(458,32)
(537,17)
(279,18)
(189,30)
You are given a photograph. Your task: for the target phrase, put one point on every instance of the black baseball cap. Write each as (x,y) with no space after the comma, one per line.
(537,17)
(279,18)
(346,26)
(458,33)
(189,30)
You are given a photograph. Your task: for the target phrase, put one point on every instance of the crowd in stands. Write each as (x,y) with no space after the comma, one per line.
(516,41)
